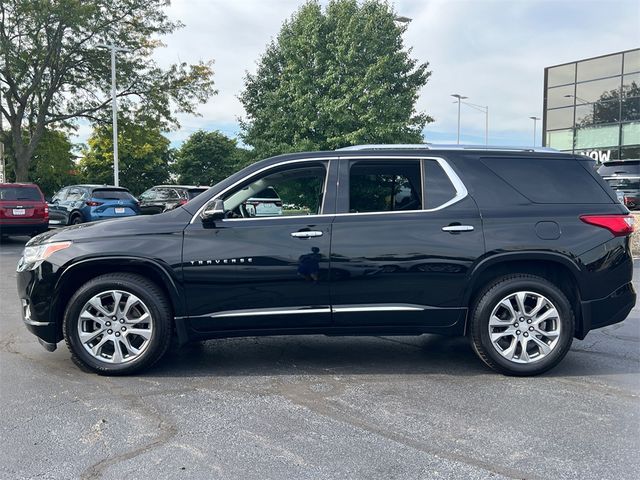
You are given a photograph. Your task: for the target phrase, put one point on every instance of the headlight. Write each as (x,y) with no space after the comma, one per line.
(39,253)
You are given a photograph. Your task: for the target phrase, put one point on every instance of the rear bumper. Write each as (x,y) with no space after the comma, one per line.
(608,310)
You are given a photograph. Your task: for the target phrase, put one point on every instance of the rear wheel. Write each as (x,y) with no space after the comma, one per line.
(76,219)
(117,324)
(522,325)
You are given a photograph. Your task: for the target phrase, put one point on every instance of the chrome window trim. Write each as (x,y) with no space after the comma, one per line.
(458,185)
(399,307)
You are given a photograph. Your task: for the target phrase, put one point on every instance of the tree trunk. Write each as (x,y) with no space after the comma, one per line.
(22,165)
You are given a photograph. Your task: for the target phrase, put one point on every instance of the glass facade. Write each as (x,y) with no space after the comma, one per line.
(592,106)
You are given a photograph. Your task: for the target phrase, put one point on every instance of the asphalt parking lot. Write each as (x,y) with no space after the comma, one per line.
(317,408)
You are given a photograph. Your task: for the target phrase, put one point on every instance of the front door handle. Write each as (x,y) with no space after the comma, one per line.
(457,228)
(307,234)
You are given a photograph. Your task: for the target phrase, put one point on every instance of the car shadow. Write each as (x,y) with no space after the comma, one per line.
(321,355)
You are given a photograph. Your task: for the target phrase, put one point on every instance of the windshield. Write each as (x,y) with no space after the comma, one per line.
(20,193)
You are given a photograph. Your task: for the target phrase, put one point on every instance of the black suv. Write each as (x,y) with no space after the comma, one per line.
(519,249)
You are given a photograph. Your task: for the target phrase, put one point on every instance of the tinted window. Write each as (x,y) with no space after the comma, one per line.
(193,193)
(624,183)
(632,61)
(166,194)
(269,193)
(385,186)
(20,193)
(149,194)
(112,194)
(75,194)
(438,187)
(549,181)
(606,89)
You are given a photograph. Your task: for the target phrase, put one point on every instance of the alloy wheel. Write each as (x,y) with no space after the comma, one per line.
(524,327)
(115,326)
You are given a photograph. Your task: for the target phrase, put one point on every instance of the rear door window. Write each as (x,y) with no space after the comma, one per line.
(437,184)
(31,194)
(385,186)
(106,194)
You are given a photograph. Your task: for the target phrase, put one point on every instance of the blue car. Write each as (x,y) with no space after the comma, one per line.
(87,203)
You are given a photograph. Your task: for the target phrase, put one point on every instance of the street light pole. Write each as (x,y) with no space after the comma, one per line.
(114,108)
(535,121)
(460,98)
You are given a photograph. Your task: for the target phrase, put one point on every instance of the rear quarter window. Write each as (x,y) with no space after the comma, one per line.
(544,180)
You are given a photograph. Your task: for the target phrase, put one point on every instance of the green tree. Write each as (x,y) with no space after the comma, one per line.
(143,157)
(206,158)
(53,72)
(332,78)
(52,165)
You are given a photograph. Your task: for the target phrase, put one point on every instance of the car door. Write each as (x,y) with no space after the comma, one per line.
(403,240)
(57,215)
(247,272)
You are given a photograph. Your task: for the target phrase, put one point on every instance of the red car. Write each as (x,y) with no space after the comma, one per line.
(23,209)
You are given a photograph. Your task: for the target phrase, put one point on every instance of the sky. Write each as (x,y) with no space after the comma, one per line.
(492,51)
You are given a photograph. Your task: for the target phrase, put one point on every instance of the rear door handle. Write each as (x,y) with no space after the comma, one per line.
(307,234)
(458,228)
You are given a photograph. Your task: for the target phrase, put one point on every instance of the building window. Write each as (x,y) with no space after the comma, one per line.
(561,75)
(632,61)
(560,118)
(560,96)
(597,137)
(599,67)
(598,90)
(560,139)
(631,134)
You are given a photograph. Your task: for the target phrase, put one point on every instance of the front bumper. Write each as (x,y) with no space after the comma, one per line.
(608,310)
(35,290)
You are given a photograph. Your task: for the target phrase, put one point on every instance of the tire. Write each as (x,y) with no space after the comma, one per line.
(76,219)
(141,340)
(518,348)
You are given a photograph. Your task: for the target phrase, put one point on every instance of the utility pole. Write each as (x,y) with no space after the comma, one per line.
(114,107)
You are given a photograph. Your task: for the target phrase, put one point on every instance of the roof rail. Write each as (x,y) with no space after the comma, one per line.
(434,146)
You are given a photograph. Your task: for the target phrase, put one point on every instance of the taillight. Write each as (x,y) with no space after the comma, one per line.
(46,212)
(619,225)
(93,204)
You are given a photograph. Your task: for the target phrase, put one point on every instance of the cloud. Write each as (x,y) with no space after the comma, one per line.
(493,51)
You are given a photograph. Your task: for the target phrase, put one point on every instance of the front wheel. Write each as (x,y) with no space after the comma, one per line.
(117,324)
(522,325)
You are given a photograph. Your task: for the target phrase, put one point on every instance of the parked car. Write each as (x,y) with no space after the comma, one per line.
(620,168)
(162,198)
(627,188)
(23,210)
(266,203)
(77,204)
(491,243)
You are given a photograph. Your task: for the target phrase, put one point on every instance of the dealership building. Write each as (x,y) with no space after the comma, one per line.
(592,106)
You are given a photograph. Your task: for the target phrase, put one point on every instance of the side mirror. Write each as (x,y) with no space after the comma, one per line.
(213,213)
